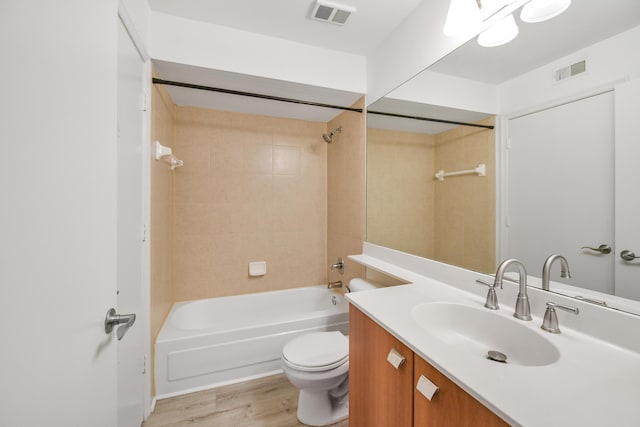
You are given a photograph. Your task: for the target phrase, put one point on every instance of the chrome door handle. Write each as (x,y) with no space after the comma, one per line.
(628,255)
(603,249)
(112,319)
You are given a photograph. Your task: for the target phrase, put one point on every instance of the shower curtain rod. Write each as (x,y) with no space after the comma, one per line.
(253,95)
(427,119)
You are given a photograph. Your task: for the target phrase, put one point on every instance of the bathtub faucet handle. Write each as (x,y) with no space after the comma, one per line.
(338,266)
(336,284)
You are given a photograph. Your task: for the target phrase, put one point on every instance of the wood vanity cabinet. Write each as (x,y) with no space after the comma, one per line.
(451,405)
(383,396)
(379,394)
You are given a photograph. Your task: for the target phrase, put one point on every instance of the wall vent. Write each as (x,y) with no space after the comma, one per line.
(331,12)
(570,71)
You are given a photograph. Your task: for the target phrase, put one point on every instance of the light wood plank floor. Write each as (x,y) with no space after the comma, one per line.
(265,402)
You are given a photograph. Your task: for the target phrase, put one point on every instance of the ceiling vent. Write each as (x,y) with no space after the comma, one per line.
(331,12)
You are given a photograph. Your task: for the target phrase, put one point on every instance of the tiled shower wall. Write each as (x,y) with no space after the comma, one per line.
(161,212)
(451,221)
(346,188)
(401,169)
(253,188)
(465,214)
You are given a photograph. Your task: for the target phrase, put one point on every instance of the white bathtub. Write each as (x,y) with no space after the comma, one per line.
(212,342)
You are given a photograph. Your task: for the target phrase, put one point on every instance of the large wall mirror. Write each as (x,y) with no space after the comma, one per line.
(552,177)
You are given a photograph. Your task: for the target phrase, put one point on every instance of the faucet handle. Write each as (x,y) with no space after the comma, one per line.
(492,297)
(550,320)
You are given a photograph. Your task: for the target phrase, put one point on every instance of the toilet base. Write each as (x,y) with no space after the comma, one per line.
(317,408)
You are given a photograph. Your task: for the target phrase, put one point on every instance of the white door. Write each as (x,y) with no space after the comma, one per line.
(58,216)
(561,190)
(627,189)
(130,238)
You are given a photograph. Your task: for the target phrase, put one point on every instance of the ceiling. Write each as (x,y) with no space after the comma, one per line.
(365,29)
(586,22)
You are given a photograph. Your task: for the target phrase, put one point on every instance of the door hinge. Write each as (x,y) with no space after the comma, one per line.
(144,233)
(144,364)
(145,101)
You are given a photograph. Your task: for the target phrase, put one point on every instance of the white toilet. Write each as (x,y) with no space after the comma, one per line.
(318,365)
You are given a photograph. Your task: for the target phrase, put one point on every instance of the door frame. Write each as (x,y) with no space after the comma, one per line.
(144,317)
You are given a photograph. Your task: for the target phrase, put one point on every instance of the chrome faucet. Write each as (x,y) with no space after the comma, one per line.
(338,266)
(523,309)
(546,269)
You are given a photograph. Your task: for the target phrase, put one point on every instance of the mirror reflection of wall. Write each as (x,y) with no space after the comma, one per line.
(408,209)
(516,80)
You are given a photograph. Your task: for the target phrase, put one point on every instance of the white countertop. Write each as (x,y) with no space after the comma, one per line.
(595,382)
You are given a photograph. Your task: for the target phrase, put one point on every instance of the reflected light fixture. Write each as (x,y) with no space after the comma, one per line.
(542,10)
(502,32)
(463,16)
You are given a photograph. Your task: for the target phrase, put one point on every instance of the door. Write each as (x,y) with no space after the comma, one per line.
(561,189)
(57,213)
(627,182)
(130,229)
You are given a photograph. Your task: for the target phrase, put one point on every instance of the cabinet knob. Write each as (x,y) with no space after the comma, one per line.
(395,358)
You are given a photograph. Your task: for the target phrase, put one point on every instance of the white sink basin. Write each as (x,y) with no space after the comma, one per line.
(476,331)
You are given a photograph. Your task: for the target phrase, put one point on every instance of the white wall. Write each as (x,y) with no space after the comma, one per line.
(610,61)
(58,214)
(195,43)
(433,88)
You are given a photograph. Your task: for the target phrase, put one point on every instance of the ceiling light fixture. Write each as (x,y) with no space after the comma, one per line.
(542,10)
(502,32)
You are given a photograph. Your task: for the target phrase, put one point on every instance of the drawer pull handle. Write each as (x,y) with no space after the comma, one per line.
(426,387)
(395,358)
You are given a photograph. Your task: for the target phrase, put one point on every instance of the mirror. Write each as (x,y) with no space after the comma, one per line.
(456,220)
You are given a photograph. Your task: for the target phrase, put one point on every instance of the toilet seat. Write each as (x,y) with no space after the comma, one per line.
(318,351)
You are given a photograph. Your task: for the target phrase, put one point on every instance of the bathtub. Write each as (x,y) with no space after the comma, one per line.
(218,341)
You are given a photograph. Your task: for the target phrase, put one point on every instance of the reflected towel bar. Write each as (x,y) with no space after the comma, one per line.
(481,170)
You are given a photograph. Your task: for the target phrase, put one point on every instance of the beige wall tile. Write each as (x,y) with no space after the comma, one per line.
(400,191)
(465,205)
(258,194)
(161,248)
(346,192)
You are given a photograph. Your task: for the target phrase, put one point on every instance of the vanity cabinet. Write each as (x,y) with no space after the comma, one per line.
(451,406)
(381,395)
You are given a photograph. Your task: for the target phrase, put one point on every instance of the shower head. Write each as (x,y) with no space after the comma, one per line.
(329,138)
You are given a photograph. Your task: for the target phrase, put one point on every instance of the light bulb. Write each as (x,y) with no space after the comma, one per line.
(463,17)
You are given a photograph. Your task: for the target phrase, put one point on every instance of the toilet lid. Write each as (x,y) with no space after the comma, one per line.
(318,349)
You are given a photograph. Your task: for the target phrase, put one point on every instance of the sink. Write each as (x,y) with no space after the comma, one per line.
(476,331)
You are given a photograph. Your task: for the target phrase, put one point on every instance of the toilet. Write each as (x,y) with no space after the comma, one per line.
(317,364)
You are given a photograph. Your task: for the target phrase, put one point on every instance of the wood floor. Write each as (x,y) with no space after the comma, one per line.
(265,402)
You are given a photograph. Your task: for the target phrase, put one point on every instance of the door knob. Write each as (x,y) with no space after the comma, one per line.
(112,319)
(603,249)
(628,255)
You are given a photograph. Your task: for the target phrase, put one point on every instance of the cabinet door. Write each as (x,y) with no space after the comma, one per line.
(450,406)
(379,394)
